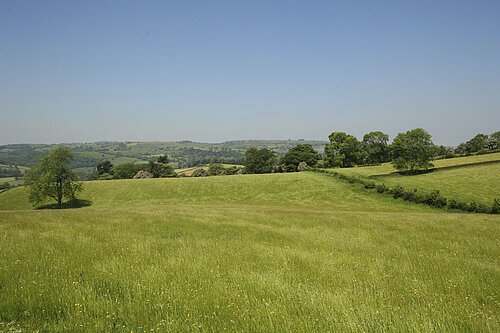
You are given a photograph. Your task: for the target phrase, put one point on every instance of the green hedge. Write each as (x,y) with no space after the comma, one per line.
(433,199)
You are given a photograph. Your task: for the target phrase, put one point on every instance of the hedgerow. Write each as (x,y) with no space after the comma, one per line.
(433,199)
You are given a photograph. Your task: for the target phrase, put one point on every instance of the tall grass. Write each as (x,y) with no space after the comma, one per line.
(250,264)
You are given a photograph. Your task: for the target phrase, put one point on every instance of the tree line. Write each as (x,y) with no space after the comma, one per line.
(411,152)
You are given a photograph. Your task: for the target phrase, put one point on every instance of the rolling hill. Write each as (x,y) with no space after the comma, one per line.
(295,252)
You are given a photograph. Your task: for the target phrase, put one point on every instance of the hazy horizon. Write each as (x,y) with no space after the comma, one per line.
(225,71)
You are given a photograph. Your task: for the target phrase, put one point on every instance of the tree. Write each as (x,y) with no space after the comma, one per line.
(163,159)
(375,147)
(477,143)
(127,170)
(52,178)
(298,154)
(259,160)
(413,150)
(161,169)
(343,150)
(104,167)
(216,169)
(494,141)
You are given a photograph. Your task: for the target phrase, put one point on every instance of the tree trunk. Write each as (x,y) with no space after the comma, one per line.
(59,194)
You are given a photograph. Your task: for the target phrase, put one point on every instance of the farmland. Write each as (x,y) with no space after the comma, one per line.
(250,253)
(467,179)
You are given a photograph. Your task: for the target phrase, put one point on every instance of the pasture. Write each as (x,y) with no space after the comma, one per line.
(296,252)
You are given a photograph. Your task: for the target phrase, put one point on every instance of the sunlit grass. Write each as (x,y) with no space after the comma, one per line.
(301,252)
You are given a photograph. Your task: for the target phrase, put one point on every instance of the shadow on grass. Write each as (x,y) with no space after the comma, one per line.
(76,203)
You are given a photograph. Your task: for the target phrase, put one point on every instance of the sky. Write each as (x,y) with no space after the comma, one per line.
(211,71)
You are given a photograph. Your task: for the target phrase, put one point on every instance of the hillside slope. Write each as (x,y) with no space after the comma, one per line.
(288,190)
(255,253)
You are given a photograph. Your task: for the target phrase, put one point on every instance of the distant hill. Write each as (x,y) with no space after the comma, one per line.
(182,154)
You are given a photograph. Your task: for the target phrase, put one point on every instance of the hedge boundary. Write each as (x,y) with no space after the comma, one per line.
(433,199)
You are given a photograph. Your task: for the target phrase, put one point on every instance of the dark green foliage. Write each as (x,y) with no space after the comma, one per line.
(298,154)
(376,148)
(4,186)
(199,173)
(435,199)
(10,171)
(344,150)
(381,188)
(495,207)
(397,192)
(259,160)
(127,170)
(104,167)
(234,170)
(52,178)
(413,150)
(370,185)
(477,143)
(216,169)
(160,170)
(163,159)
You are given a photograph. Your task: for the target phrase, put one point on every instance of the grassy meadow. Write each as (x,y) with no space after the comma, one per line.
(299,252)
(470,181)
(387,168)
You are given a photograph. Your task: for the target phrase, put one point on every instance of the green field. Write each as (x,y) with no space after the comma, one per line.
(469,181)
(296,252)
(387,168)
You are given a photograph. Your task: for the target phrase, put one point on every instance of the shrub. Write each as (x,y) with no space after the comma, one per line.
(381,188)
(472,207)
(435,199)
(455,204)
(411,195)
(216,169)
(369,184)
(397,192)
(450,155)
(495,207)
(482,208)
(199,173)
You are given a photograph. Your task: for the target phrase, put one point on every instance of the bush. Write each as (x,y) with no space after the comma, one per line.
(435,199)
(482,152)
(411,195)
(381,188)
(495,207)
(397,192)
(369,185)
(472,207)
(455,204)
(450,155)
(216,169)
(482,208)
(199,173)
(4,186)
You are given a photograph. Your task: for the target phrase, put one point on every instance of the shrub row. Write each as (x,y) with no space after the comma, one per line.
(433,199)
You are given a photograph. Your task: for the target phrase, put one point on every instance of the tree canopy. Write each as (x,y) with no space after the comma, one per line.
(413,150)
(52,178)
(297,154)
(259,160)
(343,150)
(376,148)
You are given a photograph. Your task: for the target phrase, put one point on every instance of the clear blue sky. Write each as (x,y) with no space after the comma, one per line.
(81,71)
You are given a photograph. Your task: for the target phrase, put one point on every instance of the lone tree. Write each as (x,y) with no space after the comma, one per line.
(298,154)
(52,178)
(413,150)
